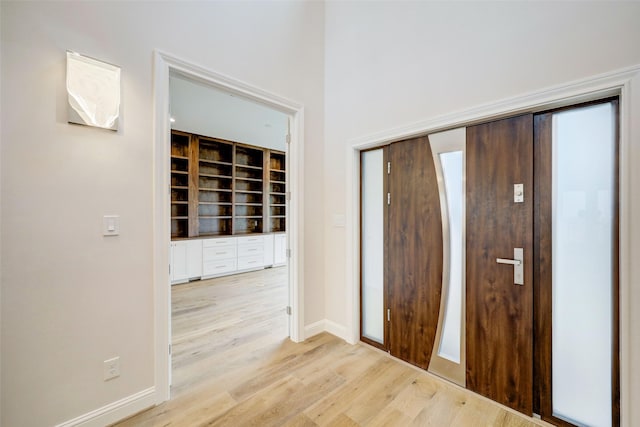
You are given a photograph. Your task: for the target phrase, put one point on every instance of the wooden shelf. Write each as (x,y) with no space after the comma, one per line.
(224,188)
(249,179)
(248,192)
(248,166)
(208,175)
(215,162)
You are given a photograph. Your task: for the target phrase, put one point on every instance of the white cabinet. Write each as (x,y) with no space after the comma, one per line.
(186,260)
(268,250)
(279,249)
(219,256)
(250,252)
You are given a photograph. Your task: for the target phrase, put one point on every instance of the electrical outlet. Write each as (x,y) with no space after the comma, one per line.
(112,368)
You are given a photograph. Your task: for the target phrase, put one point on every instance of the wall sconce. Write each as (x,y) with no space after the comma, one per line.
(94,92)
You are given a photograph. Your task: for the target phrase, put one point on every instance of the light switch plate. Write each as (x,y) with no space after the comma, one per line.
(111,225)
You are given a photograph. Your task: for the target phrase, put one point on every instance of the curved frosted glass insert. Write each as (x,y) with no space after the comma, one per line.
(372,168)
(452,173)
(583,200)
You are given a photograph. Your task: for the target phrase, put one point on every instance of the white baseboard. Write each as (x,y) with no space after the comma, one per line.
(335,329)
(314,329)
(115,411)
(325,325)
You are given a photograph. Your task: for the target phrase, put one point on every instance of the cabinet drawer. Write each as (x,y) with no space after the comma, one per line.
(245,263)
(210,268)
(250,250)
(216,243)
(250,240)
(224,252)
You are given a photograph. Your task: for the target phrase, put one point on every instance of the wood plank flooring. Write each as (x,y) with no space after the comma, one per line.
(234,366)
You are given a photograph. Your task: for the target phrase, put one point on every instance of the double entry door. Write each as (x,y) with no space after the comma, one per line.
(489,257)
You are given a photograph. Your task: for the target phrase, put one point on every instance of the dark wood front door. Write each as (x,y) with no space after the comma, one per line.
(499,313)
(414,256)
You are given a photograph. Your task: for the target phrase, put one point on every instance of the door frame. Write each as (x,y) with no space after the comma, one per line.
(614,83)
(165,63)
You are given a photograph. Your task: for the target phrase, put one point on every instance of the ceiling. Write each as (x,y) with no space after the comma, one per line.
(204,110)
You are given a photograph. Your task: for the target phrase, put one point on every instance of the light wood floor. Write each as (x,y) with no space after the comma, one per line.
(234,366)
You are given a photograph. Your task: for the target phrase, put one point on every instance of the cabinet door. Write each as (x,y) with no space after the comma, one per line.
(194,258)
(179,256)
(268,250)
(279,249)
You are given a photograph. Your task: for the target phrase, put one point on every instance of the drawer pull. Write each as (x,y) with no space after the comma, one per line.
(220,253)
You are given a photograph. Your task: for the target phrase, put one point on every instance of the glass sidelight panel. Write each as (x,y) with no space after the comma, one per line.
(448,359)
(372,244)
(583,200)
(452,173)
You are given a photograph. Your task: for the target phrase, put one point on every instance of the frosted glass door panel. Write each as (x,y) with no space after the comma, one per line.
(452,171)
(372,165)
(448,358)
(583,200)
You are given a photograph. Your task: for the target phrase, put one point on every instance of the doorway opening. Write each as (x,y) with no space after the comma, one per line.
(229,276)
(249,217)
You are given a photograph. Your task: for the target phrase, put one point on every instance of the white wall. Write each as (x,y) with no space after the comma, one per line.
(390,64)
(70,297)
(208,111)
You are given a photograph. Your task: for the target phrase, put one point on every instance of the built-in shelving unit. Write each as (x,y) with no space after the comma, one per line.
(223,188)
(180,146)
(215,187)
(277,191)
(248,190)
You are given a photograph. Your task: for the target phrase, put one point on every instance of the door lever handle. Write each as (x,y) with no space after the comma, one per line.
(518,265)
(508,261)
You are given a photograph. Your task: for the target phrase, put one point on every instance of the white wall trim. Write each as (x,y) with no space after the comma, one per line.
(165,63)
(115,411)
(314,329)
(336,329)
(618,82)
(325,325)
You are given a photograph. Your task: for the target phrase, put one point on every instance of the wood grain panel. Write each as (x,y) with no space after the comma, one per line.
(414,273)
(499,313)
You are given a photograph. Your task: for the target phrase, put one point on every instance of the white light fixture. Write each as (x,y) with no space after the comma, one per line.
(94,92)
(172,120)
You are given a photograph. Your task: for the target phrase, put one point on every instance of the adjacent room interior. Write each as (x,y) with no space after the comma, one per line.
(229,276)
